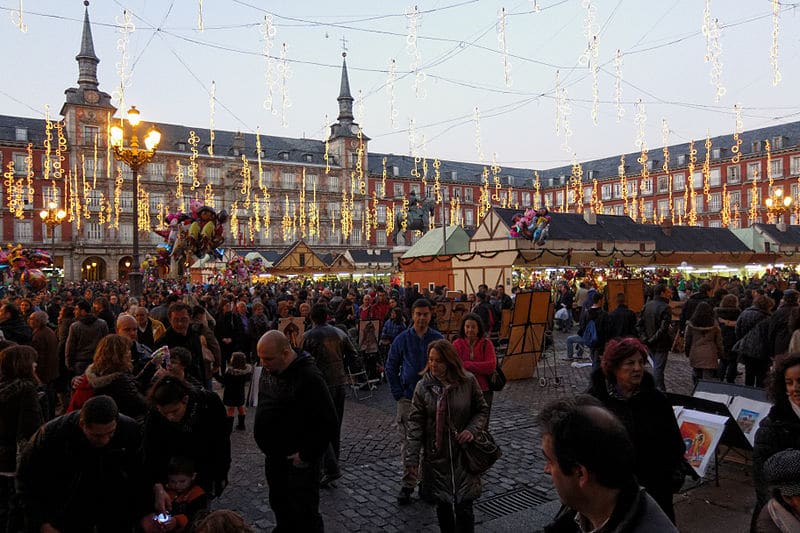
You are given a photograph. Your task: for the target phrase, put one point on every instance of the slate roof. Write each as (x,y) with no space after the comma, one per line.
(465,172)
(611,228)
(362,256)
(9,125)
(789,237)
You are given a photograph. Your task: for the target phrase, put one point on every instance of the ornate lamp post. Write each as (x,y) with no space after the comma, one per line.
(778,205)
(135,157)
(52,217)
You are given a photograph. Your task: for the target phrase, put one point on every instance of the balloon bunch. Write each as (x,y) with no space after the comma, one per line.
(532,225)
(196,235)
(24,265)
(237,268)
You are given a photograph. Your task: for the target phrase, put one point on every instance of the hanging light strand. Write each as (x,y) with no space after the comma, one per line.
(125,28)
(707,170)
(665,168)
(390,81)
(200,25)
(478,142)
(618,85)
(773,51)
(211,104)
(192,168)
(270,78)
(285,73)
(412,48)
(501,38)
(591,54)
(17,18)
(737,132)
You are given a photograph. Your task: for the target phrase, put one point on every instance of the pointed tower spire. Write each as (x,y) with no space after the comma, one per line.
(87,59)
(345,98)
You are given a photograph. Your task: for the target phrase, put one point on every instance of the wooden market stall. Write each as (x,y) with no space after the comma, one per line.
(429,262)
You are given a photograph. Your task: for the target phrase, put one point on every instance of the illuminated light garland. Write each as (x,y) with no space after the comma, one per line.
(285,73)
(315,206)
(268,35)
(633,195)
(245,189)
(200,25)
(640,119)
(108,146)
(711,32)
(737,132)
(753,212)
(144,211)
(192,167)
(87,189)
(208,195)
(403,216)
(768,150)
(76,194)
(48,143)
(61,149)
(496,178)
(707,170)
(257,212)
(576,185)
(618,85)
(478,143)
(362,183)
(94,167)
(179,187)
(773,51)
(501,38)
(234,221)
(101,214)
(250,230)
(267,214)
(126,27)
(726,206)
(29,173)
(591,54)
(19,22)
(211,104)
(412,138)
(8,176)
(412,48)
(390,81)
(692,219)
(485,200)
(383,178)
(118,183)
(302,205)
(595,205)
(565,112)
(665,166)
(535,6)
(623,183)
(375,205)
(160,207)
(437,184)
(537,185)
(260,161)
(326,156)
(558,103)
(390,210)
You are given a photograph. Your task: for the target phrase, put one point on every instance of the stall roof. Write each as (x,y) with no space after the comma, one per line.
(789,237)
(432,243)
(362,256)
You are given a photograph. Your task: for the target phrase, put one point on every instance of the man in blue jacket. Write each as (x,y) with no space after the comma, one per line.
(407,357)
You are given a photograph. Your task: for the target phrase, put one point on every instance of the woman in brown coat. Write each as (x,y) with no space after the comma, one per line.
(703,346)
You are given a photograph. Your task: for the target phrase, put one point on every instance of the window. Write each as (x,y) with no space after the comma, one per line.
(90,166)
(559,198)
(617,190)
(125,232)
(734,174)
(415,189)
(699,202)
(445,190)
(469,217)
(795,190)
(605,191)
(156,198)
(398,190)
(20,167)
(354,163)
(46,232)
(380,238)
(95,197)
(715,224)
(753,170)
(715,204)
(21,134)
(157,170)
(125,200)
(681,159)
(457,193)
(587,195)
(23,230)
(750,197)
(307,158)
(663,208)
(512,200)
(312,182)
(735,200)
(333,183)
(648,210)
(429,191)
(619,210)
(93,231)
(777,143)
(90,133)
(381,214)
(632,186)
(663,183)
(468,194)
(678,181)
(288,180)
(776,168)
(548,199)
(333,209)
(51,194)
(646,186)
(526,199)
(716,153)
(680,206)
(715,177)
(358,209)
(181,146)
(697,180)
(214,175)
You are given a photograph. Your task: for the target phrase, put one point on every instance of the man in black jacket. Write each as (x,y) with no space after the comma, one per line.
(703,294)
(83,472)
(180,334)
(295,421)
(654,331)
(623,320)
(13,325)
(330,347)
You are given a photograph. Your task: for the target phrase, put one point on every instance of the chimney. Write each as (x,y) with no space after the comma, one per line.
(666,227)
(781,226)
(590,217)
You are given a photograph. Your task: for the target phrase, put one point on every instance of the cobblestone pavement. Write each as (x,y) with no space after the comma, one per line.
(364,499)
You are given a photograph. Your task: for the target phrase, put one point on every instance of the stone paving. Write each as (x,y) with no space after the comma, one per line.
(364,499)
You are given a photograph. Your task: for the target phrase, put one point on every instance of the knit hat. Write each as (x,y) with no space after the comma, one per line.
(782,472)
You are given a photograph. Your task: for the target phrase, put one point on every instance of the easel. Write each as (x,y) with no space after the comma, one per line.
(527,334)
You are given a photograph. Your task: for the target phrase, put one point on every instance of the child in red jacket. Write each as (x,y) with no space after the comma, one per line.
(187,499)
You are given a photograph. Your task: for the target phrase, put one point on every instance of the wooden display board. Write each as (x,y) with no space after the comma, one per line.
(531,317)
(633,290)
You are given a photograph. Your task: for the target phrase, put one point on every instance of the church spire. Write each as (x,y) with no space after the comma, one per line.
(87,59)
(345,98)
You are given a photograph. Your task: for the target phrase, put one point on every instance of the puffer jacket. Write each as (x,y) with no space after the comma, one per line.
(20,417)
(726,317)
(122,387)
(779,431)
(82,339)
(703,346)
(748,319)
(466,409)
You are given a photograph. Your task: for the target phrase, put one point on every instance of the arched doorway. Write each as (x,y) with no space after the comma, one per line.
(93,268)
(124,266)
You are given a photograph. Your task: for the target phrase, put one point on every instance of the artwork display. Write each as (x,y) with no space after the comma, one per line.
(293,327)
(749,414)
(701,433)
(368,332)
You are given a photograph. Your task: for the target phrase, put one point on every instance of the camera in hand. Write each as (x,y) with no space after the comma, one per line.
(162,518)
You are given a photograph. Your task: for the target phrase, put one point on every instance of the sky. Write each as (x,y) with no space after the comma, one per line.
(455,93)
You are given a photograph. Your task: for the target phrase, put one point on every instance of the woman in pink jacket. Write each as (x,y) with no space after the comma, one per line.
(477,352)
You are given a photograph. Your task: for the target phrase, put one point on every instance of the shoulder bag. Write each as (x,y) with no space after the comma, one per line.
(480,453)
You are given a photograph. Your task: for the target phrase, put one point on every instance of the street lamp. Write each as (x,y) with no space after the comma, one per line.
(52,217)
(135,157)
(778,205)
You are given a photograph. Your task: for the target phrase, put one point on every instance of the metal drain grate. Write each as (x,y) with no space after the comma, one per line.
(510,502)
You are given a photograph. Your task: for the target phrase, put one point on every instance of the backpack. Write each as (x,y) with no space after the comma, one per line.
(81,394)
(589,337)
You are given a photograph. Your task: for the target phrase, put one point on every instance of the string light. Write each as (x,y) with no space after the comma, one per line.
(302,205)
(640,119)
(268,35)
(665,166)
(390,210)
(773,51)
(118,182)
(692,219)
(496,178)
(501,38)
(565,112)
(478,143)
(535,6)
(247,179)
(126,27)
(412,138)
(768,150)
(618,85)
(623,183)
(590,55)
(726,206)
(596,206)
(707,170)
(16,16)
(29,172)
(537,185)
(737,140)
(179,187)
(200,25)
(716,64)
(753,213)
(87,197)
(558,103)
(393,112)
(383,178)
(192,167)
(437,186)
(577,180)
(412,48)
(285,73)
(234,221)
(211,102)
(326,156)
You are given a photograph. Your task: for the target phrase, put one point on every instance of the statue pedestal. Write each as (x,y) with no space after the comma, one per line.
(397,253)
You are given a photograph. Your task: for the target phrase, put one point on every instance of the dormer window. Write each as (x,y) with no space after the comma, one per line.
(681,159)
(22,134)
(395,171)
(181,146)
(755,147)
(237,151)
(283,155)
(262,155)
(307,158)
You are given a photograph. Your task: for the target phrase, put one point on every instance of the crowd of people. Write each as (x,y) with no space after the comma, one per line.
(116,413)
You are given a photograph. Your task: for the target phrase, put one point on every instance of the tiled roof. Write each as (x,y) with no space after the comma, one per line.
(363,256)
(790,237)
(465,172)
(9,125)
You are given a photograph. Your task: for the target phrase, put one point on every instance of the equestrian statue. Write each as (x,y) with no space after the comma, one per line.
(417,218)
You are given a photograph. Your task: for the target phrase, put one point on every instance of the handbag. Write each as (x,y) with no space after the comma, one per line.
(480,453)
(497,380)
(678,344)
